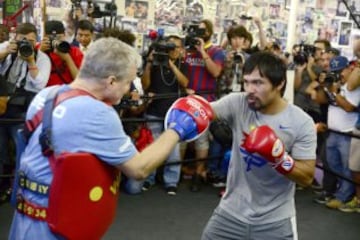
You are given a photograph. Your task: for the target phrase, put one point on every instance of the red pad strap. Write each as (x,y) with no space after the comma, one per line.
(33,123)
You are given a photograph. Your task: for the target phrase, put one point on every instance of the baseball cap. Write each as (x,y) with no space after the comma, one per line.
(54,26)
(338,63)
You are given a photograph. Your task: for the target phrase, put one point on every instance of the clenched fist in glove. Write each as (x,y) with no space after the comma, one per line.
(263,141)
(189,116)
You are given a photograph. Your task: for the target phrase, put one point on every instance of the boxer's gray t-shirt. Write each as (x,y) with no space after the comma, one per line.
(255,192)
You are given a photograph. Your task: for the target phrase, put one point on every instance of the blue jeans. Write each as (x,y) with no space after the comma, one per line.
(337,155)
(215,164)
(171,172)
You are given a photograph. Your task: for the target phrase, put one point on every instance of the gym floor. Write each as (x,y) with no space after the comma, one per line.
(154,215)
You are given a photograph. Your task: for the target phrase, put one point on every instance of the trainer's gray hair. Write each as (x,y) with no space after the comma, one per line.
(108,57)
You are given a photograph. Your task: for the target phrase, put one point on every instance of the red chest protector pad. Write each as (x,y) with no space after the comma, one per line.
(83,196)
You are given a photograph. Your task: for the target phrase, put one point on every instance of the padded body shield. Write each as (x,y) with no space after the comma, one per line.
(83,196)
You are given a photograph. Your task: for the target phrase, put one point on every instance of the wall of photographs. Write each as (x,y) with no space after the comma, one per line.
(315,18)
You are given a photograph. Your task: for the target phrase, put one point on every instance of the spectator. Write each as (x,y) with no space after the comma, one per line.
(235,58)
(205,65)
(342,118)
(26,71)
(167,77)
(4,33)
(65,62)
(84,34)
(354,162)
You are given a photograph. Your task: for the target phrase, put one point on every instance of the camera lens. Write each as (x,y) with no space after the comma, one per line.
(62,46)
(25,48)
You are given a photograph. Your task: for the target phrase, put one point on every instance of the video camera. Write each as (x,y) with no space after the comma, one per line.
(25,48)
(61,46)
(160,47)
(191,33)
(304,53)
(161,52)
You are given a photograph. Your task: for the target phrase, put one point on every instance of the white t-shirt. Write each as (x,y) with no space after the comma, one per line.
(338,118)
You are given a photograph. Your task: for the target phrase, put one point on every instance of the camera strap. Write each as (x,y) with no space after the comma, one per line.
(16,73)
(57,70)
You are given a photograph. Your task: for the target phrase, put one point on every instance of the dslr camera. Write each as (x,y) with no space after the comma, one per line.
(25,48)
(332,77)
(304,53)
(61,46)
(192,32)
(161,52)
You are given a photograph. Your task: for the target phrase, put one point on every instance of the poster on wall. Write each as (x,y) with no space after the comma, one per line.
(345,33)
(136,9)
(11,7)
(341,10)
(274,11)
(194,11)
(169,16)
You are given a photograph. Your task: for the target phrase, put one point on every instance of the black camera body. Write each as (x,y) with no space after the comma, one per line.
(192,32)
(161,52)
(61,46)
(305,52)
(332,77)
(25,48)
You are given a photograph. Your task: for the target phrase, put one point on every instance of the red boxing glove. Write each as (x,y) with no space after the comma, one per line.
(263,141)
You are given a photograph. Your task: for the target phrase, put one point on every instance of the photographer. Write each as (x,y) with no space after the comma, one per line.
(235,58)
(24,72)
(65,59)
(163,78)
(342,117)
(205,65)
(354,161)
(308,66)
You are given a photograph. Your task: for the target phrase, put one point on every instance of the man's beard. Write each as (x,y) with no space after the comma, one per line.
(206,38)
(254,103)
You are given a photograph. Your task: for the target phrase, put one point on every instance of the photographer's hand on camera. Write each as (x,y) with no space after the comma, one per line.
(311,62)
(145,78)
(299,70)
(200,46)
(150,58)
(12,47)
(45,45)
(322,77)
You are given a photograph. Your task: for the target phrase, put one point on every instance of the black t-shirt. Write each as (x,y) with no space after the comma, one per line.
(163,81)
